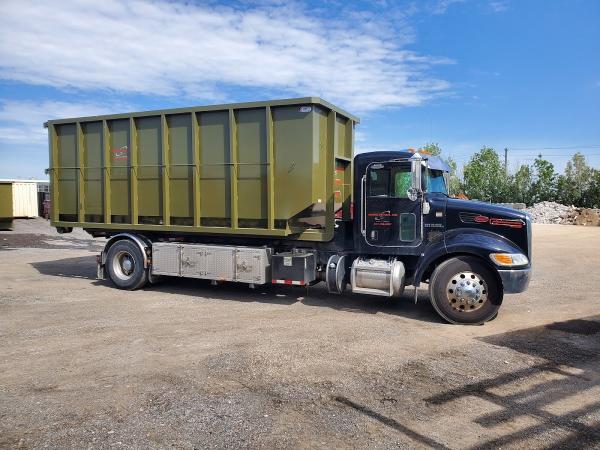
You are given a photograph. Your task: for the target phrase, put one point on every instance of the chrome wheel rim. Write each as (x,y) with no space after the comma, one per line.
(123,265)
(466,292)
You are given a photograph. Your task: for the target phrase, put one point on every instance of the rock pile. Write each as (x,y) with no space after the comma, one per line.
(552,212)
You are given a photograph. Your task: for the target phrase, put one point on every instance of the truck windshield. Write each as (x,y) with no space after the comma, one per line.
(434,181)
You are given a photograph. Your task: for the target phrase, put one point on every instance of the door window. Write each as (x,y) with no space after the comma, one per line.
(379,183)
(402,183)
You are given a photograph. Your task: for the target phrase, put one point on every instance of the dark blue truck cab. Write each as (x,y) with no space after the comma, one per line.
(471,253)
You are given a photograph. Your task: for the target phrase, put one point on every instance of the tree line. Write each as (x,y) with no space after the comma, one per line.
(484,177)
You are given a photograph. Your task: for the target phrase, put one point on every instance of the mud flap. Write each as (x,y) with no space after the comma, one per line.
(101,271)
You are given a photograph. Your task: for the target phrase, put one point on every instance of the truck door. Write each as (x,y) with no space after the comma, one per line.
(392,202)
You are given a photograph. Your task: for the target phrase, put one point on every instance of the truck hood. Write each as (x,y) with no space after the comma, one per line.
(472,216)
(472,206)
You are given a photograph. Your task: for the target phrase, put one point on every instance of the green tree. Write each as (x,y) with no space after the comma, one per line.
(520,185)
(565,191)
(544,181)
(592,194)
(433,148)
(576,181)
(454,182)
(484,177)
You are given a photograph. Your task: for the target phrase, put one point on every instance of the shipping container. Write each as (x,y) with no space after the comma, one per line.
(25,199)
(6,206)
(18,198)
(280,168)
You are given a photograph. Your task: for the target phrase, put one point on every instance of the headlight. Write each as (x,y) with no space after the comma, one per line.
(509,259)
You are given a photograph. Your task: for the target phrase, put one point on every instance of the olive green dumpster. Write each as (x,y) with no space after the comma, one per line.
(278,168)
(6,206)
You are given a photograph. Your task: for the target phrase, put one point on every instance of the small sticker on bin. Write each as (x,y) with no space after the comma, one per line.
(120,154)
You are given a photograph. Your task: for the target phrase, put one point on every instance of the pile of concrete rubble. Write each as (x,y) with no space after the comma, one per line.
(551,212)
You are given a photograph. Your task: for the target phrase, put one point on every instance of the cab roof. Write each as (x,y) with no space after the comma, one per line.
(433,162)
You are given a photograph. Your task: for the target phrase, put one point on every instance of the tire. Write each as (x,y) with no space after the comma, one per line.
(465,290)
(125,265)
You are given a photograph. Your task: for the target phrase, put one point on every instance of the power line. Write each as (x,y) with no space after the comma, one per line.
(533,159)
(556,156)
(550,152)
(570,147)
(556,151)
(525,159)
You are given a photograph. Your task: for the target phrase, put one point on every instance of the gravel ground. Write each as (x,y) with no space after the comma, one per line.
(187,365)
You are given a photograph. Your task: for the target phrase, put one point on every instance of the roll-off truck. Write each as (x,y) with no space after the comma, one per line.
(271,192)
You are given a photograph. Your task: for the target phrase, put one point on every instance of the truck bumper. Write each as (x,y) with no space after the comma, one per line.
(515,280)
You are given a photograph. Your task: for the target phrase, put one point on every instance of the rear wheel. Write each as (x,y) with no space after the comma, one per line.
(465,290)
(125,265)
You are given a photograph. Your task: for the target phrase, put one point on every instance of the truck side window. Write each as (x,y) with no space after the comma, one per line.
(379,182)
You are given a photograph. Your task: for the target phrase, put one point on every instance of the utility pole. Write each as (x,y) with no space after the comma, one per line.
(506,161)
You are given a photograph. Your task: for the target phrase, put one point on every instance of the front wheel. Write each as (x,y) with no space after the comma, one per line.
(465,290)
(125,265)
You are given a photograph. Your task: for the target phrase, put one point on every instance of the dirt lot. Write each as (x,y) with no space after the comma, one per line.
(188,365)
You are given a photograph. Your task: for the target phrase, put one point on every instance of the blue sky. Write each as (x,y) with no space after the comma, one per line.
(521,74)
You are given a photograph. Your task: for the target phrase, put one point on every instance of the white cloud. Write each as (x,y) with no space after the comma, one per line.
(21,122)
(185,50)
(360,136)
(499,5)
(441,6)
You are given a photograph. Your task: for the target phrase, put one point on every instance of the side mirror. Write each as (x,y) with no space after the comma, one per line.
(413,193)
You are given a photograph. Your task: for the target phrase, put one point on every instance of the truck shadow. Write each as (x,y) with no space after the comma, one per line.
(77,267)
(316,295)
(555,396)
(85,267)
